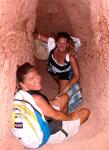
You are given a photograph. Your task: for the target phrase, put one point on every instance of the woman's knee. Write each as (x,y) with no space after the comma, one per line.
(64,96)
(83,115)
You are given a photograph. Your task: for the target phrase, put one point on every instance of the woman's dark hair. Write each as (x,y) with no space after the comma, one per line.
(63,35)
(23,70)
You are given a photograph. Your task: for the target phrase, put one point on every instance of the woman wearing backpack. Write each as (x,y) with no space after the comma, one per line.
(63,65)
(31,110)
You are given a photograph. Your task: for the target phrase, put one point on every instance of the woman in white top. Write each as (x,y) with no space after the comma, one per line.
(62,63)
(31,110)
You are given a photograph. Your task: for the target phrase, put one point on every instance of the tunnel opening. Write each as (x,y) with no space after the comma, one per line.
(57,16)
(87,20)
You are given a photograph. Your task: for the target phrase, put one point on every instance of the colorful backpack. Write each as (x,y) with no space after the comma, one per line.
(28,122)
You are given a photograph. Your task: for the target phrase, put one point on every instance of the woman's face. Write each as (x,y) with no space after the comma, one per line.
(62,44)
(32,81)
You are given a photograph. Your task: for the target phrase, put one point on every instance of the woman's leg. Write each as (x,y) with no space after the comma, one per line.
(82,114)
(55,77)
(61,101)
(62,85)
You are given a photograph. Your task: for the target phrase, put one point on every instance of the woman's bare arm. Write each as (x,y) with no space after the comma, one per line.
(75,68)
(76,73)
(49,111)
(40,37)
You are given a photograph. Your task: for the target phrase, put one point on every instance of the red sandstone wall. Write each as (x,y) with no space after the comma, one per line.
(88,20)
(16,21)
(52,17)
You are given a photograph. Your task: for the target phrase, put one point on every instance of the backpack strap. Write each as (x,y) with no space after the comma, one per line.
(34,92)
(64,132)
(28,103)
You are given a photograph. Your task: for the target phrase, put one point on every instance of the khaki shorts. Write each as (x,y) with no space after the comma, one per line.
(71,127)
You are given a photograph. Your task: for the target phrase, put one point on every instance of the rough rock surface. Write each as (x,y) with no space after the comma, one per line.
(88,20)
(16,22)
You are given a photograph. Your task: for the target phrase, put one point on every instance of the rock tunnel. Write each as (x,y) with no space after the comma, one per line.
(88,20)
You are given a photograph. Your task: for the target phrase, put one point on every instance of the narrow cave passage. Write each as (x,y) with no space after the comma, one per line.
(72,17)
(87,20)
